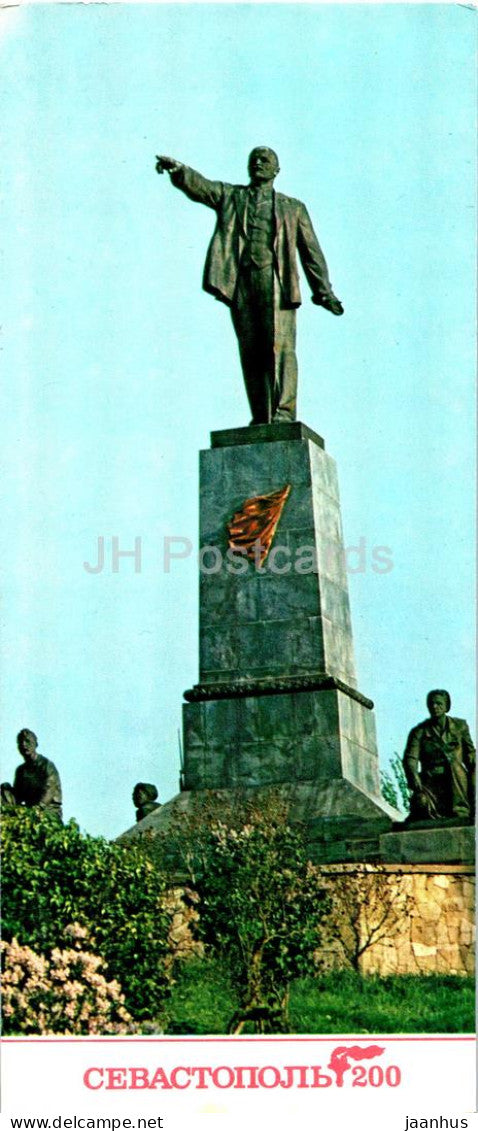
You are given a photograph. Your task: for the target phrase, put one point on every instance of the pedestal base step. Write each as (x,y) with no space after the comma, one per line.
(432,843)
(342,822)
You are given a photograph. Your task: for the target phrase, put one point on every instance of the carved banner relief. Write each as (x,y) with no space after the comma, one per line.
(252,528)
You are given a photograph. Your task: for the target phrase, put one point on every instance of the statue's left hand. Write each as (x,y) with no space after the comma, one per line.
(329,302)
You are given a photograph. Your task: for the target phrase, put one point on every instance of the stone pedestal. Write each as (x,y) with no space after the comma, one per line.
(448,843)
(277,698)
(257,738)
(277,717)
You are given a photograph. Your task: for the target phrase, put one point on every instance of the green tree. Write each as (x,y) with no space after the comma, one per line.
(394,784)
(260,904)
(368,906)
(54,875)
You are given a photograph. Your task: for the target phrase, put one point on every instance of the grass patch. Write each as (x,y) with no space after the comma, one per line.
(346,1002)
(203,1001)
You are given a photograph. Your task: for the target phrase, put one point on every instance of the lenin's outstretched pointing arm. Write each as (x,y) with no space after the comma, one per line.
(193,184)
(315,267)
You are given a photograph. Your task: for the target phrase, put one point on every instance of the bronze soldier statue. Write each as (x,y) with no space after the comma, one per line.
(439,764)
(251,265)
(37,782)
(144,799)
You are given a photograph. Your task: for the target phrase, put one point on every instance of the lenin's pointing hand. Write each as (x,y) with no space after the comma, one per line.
(167,164)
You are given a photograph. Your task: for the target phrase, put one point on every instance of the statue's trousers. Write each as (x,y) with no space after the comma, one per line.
(266,335)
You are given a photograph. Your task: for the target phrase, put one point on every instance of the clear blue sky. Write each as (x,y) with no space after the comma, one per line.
(117,366)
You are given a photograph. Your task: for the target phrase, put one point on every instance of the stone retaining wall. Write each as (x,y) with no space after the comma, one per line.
(423,916)
(430,925)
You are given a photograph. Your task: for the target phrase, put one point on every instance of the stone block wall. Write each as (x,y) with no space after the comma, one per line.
(433,932)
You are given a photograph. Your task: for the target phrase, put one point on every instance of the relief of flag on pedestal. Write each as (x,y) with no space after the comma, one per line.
(252,528)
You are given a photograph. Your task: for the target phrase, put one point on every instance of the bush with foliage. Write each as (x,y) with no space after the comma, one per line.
(260,907)
(54,875)
(64,992)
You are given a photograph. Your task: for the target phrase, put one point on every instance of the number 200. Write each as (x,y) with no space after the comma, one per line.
(376,1076)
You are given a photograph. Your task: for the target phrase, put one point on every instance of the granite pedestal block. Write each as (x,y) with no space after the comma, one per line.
(430,844)
(277,699)
(266,739)
(292,616)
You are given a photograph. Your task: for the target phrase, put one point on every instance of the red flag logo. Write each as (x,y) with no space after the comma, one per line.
(253,527)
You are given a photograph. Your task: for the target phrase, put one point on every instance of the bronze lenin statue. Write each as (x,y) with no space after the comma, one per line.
(251,265)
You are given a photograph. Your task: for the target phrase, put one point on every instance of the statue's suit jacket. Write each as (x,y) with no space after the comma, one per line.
(293,233)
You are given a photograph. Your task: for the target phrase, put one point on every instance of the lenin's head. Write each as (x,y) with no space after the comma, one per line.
(263,165)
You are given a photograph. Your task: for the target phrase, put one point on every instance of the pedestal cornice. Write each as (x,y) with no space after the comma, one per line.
(283,686)
(265,434)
